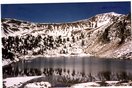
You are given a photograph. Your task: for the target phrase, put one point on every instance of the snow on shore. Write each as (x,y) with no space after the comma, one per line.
(97,85)
(6,62)
(38,85)
(17,81)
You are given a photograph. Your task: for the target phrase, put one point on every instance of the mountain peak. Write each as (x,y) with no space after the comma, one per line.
(114,13)
(109,14)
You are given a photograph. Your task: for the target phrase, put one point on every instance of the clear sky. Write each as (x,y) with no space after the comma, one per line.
(61,12)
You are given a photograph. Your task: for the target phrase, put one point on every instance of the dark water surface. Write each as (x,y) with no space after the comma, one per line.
(73,69)
(79,64)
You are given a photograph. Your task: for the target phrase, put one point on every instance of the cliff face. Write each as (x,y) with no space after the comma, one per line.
(112,40)
(103,35)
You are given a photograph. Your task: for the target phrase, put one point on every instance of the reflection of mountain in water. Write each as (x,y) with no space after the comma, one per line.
(72,69)
(62,77)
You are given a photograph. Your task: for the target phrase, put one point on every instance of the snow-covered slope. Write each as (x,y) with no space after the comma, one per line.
(14,27)
(103,35)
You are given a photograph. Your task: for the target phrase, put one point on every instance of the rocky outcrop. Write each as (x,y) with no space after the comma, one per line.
(111,40)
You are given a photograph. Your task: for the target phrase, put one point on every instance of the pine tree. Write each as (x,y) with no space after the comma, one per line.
(83,43)
(82,35)
(73,39)
(68,39)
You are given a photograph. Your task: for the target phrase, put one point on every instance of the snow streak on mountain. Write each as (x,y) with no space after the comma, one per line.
(103,35)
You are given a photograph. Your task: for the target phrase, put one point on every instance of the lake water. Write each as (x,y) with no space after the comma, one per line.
(75,67)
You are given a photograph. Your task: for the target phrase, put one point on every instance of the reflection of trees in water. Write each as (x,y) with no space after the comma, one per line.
(104,75)
(114,76)
(66,74)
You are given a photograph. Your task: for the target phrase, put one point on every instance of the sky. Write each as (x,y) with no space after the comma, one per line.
(61,12)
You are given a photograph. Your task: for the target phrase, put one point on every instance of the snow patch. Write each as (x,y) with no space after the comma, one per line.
(15,82)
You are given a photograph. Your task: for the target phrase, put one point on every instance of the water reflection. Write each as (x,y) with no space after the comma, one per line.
(73,69)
